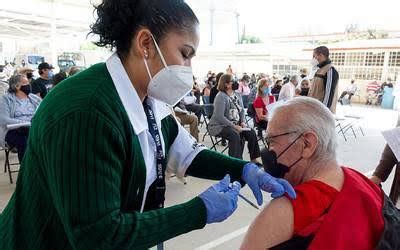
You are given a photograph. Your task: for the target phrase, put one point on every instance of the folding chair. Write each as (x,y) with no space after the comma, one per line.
(251,112)
(207,111)
(206,101)
(357,120)
(343,125)
(7,164)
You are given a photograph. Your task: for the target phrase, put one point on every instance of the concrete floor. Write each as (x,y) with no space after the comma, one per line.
(361,153)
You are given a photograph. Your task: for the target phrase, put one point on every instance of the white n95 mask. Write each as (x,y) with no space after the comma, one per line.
(171,83)
(314,62)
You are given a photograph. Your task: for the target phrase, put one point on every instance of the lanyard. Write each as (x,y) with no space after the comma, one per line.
(161,163)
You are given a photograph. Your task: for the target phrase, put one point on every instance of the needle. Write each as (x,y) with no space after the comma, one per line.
(248,201)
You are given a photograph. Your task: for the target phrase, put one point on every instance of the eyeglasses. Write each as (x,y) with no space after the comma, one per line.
(268,138)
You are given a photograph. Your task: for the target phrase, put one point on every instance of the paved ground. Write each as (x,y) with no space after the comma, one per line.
(361,153)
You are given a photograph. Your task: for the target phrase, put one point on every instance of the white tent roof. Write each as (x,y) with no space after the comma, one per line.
(36,19)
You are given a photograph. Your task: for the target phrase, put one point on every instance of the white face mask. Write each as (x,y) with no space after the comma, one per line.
(171,83)
(314,62)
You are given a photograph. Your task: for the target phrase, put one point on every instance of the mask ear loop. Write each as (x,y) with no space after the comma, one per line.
(159,52)
(147,68)
(286,149)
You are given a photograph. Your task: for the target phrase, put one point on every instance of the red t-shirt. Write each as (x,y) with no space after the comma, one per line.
(259,104)
(313,199)
(354,218)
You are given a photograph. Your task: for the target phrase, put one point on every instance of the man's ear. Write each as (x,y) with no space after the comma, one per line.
(143,41)
(310,144)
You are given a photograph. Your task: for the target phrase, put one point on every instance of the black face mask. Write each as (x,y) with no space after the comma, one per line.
(235,85)
(29,75)
(271,164)
(26,89)
(304,91)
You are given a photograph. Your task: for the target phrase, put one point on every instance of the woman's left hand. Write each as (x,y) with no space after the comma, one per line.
(258,180)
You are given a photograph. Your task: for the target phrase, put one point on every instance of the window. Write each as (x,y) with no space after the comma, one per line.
(285,69)
(338,58)
(355,58)
(374,59)
(394,58)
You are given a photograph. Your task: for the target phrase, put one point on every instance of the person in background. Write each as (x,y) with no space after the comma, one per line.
(336,207)
(303,73)
(196,92)
(207,88)
(244,89)
(17,106)
(28,72)
(325,83)
(214,89)
(59,77)
(253,81)
(350,91)
(44,82)
(304,87)
(288,90)
(73,70)
(276,89)
(372,92)
(264,98)
(187,119)
(229,70)
(227,121)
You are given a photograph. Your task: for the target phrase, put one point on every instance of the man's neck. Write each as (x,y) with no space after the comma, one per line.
(44,77)
(330,173)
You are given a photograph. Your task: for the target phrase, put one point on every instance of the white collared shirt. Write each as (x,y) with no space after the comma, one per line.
(287,92)
(182,151)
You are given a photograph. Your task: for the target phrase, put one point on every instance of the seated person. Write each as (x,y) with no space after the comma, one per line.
(336,207)
(190,105)
(185,118)
(372,90)
(17,106)
(227,120)
(59,77)
(349,91)
(244,89)
(264,98)
(304,87)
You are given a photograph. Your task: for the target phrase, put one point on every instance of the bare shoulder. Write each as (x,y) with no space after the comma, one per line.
(272,226)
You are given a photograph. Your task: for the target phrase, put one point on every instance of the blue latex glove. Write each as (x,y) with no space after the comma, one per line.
(258,179)
(221,199)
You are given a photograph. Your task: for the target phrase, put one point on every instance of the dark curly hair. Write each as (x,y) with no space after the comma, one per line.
(119,20)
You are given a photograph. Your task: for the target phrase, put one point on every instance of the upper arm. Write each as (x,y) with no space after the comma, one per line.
(274,225)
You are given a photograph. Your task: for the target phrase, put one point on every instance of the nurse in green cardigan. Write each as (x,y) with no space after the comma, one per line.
(93,175)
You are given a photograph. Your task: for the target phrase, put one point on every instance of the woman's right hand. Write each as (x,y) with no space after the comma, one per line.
(238,128)
(221,199)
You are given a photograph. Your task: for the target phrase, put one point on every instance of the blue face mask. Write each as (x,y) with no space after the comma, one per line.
(266,91)
(50,74)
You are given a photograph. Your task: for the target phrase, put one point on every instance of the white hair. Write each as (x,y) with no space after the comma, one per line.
(309,114)
(294,78)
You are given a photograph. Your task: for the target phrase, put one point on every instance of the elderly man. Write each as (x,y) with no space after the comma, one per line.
(289,89)
(302,149)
